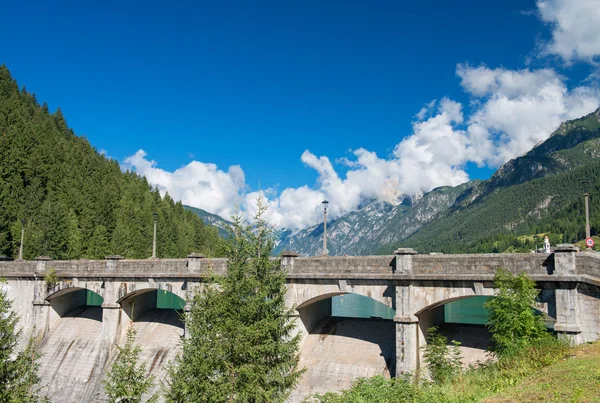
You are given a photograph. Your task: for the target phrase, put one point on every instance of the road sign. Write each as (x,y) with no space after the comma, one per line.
(589,242)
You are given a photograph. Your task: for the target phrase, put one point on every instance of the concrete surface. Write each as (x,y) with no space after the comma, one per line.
(73,357)
(158,334)
(341,350)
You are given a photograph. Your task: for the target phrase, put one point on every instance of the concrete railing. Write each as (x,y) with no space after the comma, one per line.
(400,266)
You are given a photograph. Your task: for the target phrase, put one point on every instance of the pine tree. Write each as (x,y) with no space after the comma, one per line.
(126,382)
(18,370)
(241,345)
(98,246)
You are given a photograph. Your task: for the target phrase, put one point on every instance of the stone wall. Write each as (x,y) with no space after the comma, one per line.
(483,264)
(336,267)
(589,312)
(588,263)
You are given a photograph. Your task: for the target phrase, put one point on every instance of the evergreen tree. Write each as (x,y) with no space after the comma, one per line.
(241,345)
(99,245)
(126,382)
(18,370)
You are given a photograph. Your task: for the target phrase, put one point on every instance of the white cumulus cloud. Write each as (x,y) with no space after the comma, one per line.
(511,111)
(518,109)
(196,184)
(575,28)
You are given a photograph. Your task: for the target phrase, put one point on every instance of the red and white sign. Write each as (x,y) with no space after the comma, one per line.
(589,242)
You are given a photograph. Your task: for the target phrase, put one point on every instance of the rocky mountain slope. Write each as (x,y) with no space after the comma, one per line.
(364,231)
(537,193)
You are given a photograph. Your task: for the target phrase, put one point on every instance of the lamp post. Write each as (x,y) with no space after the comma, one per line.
(586,183)
(325,204)
(23,222)
(155,215)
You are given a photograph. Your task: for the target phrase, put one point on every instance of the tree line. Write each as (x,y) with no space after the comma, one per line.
(72,201)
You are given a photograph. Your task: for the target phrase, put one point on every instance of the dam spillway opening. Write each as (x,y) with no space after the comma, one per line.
(157,316)
(346,337)
(72,352)
(465,321)
(79,347)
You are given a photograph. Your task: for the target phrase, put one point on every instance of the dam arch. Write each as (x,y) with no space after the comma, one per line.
(74,323)
(73,301)
(346,337)
(459,318)
(157,316)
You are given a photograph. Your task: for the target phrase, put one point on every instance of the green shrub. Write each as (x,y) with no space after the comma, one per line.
(475,384)
(126,382)
(51,278)
(378,390)
(443,362)
(19,379)
(512,320)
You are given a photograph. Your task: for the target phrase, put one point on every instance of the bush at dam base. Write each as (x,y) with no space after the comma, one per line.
(545,363)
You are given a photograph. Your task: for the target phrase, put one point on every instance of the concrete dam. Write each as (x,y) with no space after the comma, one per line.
(80,319)
(75,357)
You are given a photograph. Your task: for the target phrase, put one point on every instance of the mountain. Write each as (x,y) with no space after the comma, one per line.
(364,231)
(75,202)
(221,224)
(539,191)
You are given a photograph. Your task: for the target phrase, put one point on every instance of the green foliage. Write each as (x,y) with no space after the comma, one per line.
(126,382)
(379,390)
(443,362)
(77,202)
(512,320)
(475,384)
(241,345)
(18,369)
(51,278)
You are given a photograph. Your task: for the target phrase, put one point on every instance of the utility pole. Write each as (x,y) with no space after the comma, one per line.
(155,215)
(587,210)
(23,222)
(325,204)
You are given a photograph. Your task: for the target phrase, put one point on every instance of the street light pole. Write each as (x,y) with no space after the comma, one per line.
(23,222)
(155,215)
(325,204)
(587,210)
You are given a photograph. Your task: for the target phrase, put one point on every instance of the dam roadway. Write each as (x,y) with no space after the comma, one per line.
(78,340)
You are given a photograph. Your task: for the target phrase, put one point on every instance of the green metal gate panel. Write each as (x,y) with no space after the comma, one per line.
(359,306)
(93,299)
(168,300)
(466,311)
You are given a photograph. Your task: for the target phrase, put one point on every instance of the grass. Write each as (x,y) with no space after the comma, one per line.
(550,372)
(575,378)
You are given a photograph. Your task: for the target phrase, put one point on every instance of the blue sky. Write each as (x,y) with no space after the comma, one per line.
(255,84)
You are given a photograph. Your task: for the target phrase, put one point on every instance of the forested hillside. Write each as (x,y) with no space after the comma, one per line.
(553,204)
(541,192)
(77,203)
